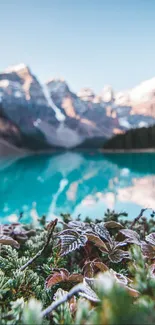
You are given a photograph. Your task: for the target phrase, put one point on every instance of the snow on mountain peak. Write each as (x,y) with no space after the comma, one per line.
(86,94)
(16,68)
(143,90)
(107,94)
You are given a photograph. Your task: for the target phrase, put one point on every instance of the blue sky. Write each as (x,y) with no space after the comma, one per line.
(89,43)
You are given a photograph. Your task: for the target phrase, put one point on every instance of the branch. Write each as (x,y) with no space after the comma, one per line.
(51,227)
(137,218)
(74,291)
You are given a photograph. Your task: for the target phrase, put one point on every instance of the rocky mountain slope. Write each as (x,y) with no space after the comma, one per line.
(46,116)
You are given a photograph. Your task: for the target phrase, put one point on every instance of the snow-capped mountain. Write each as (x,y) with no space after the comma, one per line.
(141,98)
(19,82)
(51,115)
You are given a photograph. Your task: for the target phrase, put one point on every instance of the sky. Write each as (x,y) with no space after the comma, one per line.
(89,43)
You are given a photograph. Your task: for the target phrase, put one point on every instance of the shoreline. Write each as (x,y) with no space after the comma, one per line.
(8,150)
(112,151)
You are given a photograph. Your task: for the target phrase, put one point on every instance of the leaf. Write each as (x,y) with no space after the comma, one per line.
(132,292)
(131,235)
(75,278)
(151,238)
(148,250)
(51,225)
(63,272)
(118,255)
(101,266)
(102,231)
(97,241)
(113,224)
(120,243)
(6,240)
(152,270)
(70,241)
(88,270)
(53,279)
(123,280)
(67,232)
(120,278)
(88,292)
(62,275)
(76,224)
(91,267)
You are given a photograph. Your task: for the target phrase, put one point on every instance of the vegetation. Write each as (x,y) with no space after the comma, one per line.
(78,272)
(141,138)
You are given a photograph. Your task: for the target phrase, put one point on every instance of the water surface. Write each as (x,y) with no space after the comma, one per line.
(77,183)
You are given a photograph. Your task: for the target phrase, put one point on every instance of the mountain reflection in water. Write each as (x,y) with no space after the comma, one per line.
(77,183)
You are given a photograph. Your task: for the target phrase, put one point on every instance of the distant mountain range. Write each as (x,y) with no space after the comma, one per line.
(38,117)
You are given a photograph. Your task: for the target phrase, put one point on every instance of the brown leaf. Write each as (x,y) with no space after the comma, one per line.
(131,236)
(97,241)
(53,279)
(91,267)
(51,225)
(76,224)
(6,240)
(102,231)
(113,224)
(101,266)
(148,250)
(152,270)
(75,278)
(118,255)
(151,238)
(71,240)
(132,292)
(120,278)
(87,290)
(120,244)
(62,275)
(88,270)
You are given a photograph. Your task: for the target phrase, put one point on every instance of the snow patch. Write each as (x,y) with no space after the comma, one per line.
(16,68)
(124,122)
(60,117)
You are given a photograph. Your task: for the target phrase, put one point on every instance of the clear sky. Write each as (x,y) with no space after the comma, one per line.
(89,43)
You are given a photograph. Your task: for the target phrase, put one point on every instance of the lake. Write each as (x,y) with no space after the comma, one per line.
(85,183)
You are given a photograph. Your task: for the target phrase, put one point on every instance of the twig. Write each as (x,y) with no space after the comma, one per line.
(74,291)
(50,233)
(137,218)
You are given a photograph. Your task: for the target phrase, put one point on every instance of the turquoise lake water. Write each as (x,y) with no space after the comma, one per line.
(77,183)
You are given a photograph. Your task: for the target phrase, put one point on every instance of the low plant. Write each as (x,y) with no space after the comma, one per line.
(79,272)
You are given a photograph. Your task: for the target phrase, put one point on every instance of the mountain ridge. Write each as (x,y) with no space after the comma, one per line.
(67,119)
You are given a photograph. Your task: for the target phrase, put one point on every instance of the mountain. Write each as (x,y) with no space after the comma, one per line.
(141,98)
(19,82)
(37,117)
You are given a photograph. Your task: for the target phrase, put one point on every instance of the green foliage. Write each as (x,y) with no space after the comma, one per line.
(32,313)
(110,259)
